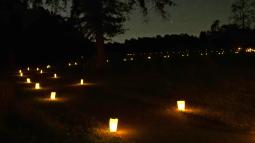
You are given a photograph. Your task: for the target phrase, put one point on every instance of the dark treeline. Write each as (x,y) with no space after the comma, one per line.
(50,37)
(38,36)
(227,38)
(165,43)
(32,36)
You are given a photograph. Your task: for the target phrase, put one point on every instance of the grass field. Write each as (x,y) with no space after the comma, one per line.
(219,93)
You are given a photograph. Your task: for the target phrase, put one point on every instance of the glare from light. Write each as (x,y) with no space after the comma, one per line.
(37,85)
(181,105)
(113,124)
(250,50)
(82,82)
(28,80)
(53,95)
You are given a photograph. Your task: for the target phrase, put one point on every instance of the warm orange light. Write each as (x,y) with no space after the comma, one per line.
(82,82)
(53,95)
(181,105)
(48,66)
(20,71)
(37,85)
(250,50)
(21,74)
(55,75)
(28,80)
(41,71)
(113,124)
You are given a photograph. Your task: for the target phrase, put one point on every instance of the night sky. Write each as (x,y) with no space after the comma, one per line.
(188,16)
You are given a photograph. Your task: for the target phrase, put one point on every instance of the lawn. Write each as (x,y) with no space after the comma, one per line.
(219,95)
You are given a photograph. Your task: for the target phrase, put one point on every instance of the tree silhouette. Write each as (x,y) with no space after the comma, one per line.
(215,26)
(12,12)
(100,20)
(243,12)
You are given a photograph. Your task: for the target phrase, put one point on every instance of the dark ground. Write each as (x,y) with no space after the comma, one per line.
(219,94)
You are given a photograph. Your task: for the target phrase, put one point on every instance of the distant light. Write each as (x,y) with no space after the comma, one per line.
(53,95)
(107,61)
(41,71)
(28,80)
(124,59)
(166,56)
(20,71)
(149,57)
(131,59)
(76,63)
(249,50)
(48,66)
(37,85)
(81,82)
(181,105)
(55,75)
(28,68)
(37,69)
(113,124)
(21,74)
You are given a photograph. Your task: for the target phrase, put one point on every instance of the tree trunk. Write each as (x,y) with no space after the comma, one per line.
(100,57)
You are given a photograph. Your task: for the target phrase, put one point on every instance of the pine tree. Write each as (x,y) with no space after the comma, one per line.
(243,12)
(100,20)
